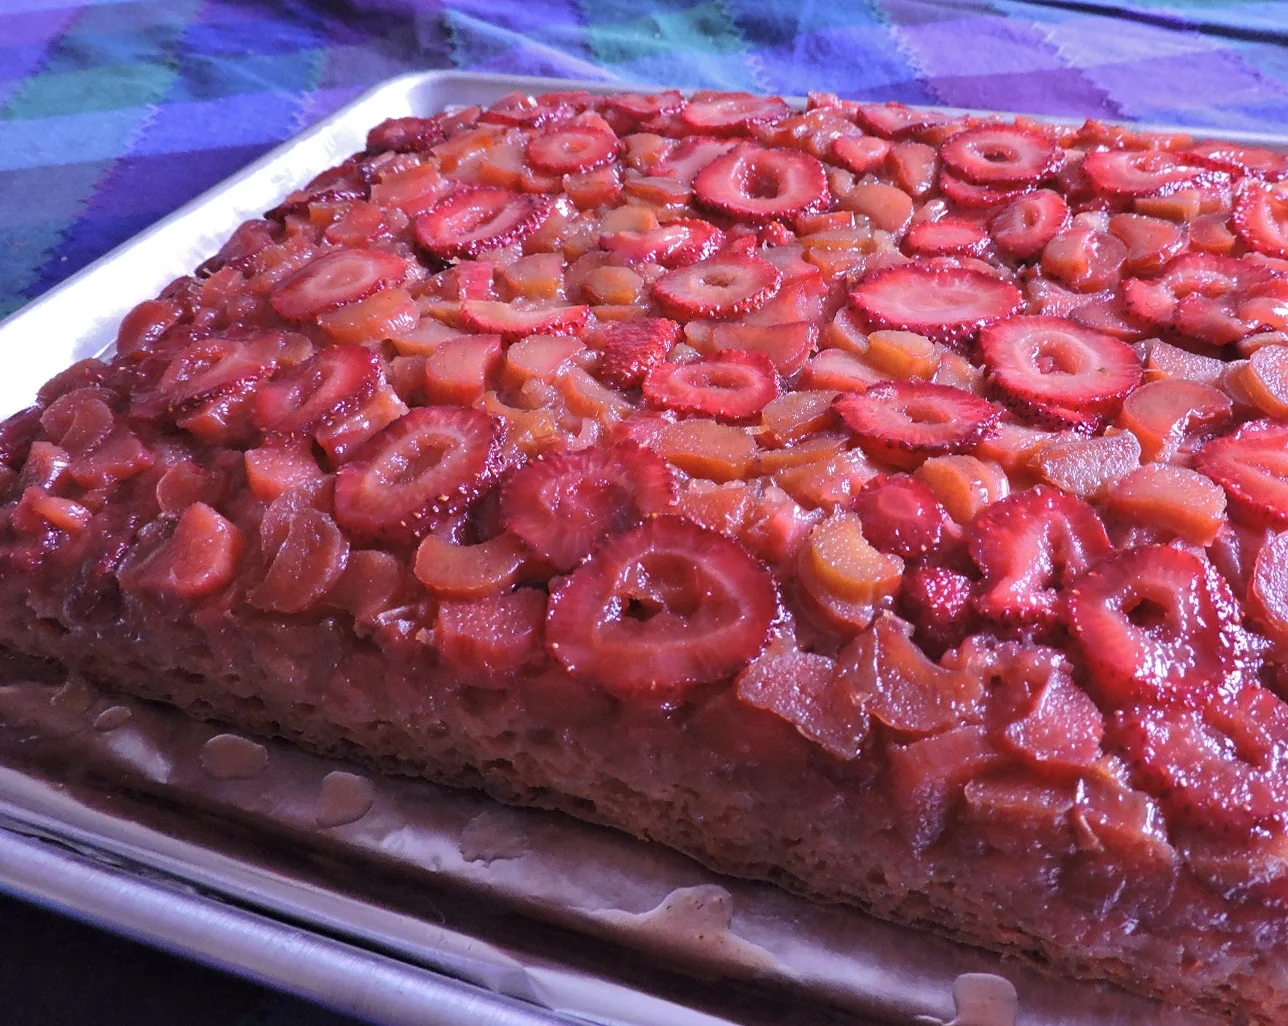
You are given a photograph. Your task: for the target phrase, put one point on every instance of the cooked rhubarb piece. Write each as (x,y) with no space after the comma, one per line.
(881,501)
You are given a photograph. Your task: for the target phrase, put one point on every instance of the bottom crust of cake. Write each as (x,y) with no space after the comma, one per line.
(732,787)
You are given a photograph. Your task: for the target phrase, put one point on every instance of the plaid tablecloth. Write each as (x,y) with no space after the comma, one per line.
(114,113)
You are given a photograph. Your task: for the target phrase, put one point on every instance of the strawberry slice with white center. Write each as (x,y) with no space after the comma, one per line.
(642,106)
(862,154)
(1005,155)
(1221,768)
(563,504)
(724,286)
(1030,546)
(1157,625)
(426,466)
(677,243)
(978,197)
(1049,361)
(516,320)
(758,185)
(334,279)
(951,236)
(321,390)
(630,348)
(917,417)
(1239,160)
(572,149)
(902,517)
(725,114)
(1024,227)
(660,608)
(1252,466)
(474,219)
(1261,218)
(216,367)
(527,111)
(1131,173)
(946,304)
(733,385)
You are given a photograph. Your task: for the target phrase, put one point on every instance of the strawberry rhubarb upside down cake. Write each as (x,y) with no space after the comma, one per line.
(883,504)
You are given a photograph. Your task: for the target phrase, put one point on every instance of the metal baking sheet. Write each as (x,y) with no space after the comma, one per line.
(394,899)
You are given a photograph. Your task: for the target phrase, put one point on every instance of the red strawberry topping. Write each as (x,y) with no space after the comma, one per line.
(1128,173)
(938,601)
(642,106)
(978,197)
(733,385)
(677,243)
(561,505)
(335,278)
(1156,624)
(1043,362)
(1022,230)
(514,320)
(1029,547)
(660,607)
(1252,466)
(489,639)
(896,120)
(901,516)
(725,114)
(724,286)
(918,417)
(406,135)
(475,219)
(629,349)
(758,185)
(1239,160)
(322,389)
(861,154)
(1261,218)
(572,148)
(952,236)
(946,304)
(424,467)
(1004,155)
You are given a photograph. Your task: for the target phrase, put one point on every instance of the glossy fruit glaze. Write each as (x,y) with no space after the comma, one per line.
(960,446)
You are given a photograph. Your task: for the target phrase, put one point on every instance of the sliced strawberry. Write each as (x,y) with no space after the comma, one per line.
(725,114)
(571,149)
(527,111)
(978,197)
(902,516)
(516,320)
(724,286)
(786,345)
(1022,230)
(630,348)
(1051,362)
(861,154)
(946,304)
(758,185)
(1261,218)
(733,385)
(951,236)
(1220,769)
(1004,155)
(938,601)
(1030,546)
(406,135)
(478,218)
(249,238)
(424,467)
(642,106)
(917,417)
(1130,173)
(563,505)
(1239,160)
(896,120)
(662,607)
(1252,466)
(1152,242)
(335,278)
(1157,625)
(323,389)
(216,367)
(683,159)
(677,243)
